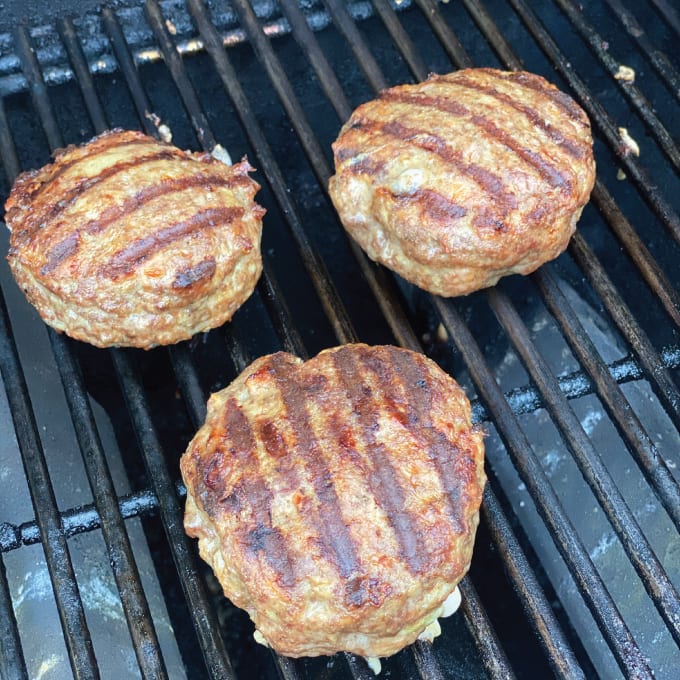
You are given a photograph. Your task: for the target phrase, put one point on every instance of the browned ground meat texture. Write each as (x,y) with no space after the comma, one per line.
(337,499)
(464,178)
(130,241)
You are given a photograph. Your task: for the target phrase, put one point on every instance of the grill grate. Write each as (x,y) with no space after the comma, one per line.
(651,344)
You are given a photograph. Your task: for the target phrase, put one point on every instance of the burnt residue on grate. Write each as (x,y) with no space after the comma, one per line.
(573,371)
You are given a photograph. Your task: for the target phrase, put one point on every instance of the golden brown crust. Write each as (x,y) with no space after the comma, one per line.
(464,178)
(337,499)
(130,241)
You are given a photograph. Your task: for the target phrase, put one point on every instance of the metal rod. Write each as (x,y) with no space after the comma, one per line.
(203,615)
(631,91)
(645,451)
(448,39)
(12,662)
(333,306)
(59,565)
(564,536)
(669,13)
(655,580)
(82,74)
(401,38)
(494,658)
(647,189)
(662,65)
(536,605)
(345,24)
(660,378)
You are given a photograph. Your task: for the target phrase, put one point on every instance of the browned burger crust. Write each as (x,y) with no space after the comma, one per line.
(337,499)
(130,241)
(464,178)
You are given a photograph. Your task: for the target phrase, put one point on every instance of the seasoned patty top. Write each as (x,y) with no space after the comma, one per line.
(464,169)
(125,201)
(357,471)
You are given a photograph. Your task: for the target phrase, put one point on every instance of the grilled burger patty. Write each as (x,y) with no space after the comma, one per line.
(464,178)
(337,499)
(130,241)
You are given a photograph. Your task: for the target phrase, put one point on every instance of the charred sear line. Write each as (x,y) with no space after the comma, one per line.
(79,188)
(61,251)
(381,475)
(61,167)
(437,207)
(550,174)
(559,98)
(492,184)
(125,261)
(442,453)
(69,246)
(570,147)
(202,271)
(333,533)
(263,537)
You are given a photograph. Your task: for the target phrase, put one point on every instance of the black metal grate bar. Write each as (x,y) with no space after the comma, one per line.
(669,13)
(204,619)
(448,39)
(401,38)
(565,538)
(12,663)
(345,24)
(541,615)
(660,378)
(646,453)
(78,520)
(67,32)
(667,72)
(66,592)
(656,581)
(630,90)
(326,291)
(648,190)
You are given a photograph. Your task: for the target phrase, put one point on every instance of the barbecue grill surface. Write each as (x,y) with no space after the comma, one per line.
(573,371)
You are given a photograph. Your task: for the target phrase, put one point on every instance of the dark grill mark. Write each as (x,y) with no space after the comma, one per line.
(485,179)
(561,99)
(333,533)
(572,148)
(61,251)
(549,173)
(444,455)
(437,207)
(361,591)
(381,475)
(65,166)
(126,261)
(199,272)
(84,184)
(263,537)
